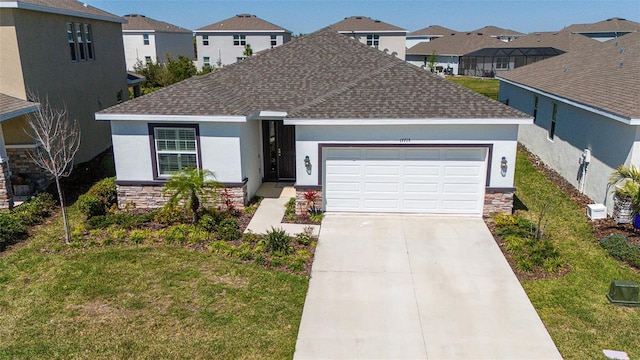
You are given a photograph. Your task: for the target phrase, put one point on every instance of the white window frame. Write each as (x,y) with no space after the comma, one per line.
(373,40)
(148,60)
(502,63)
(554,118)
(145,39)
(205,40)
(177,150)
(274,40)
(206,61)
(239,40)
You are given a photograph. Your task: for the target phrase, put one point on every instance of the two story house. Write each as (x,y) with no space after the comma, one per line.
(67,53)
(146,40)
(224,42)
(427,34)
(375,33)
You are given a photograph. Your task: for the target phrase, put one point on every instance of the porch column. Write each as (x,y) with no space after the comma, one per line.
(6,195)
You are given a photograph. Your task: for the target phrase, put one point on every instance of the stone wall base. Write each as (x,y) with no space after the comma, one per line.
(498,201)
(302,205)
(6,194)
(150,196)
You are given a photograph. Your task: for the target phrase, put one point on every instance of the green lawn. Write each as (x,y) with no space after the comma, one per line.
(146,301)
(574,307)
(487,87)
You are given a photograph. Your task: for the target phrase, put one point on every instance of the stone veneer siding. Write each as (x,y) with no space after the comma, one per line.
(21,163)
(6,195)
(150,196)
(498,201)
(302,205)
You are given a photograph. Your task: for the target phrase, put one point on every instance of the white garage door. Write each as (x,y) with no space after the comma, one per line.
(405,180)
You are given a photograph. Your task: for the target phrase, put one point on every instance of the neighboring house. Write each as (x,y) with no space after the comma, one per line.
(368,131)
(427,34)
(149,40)
(606,29)
(505,35)
(224,42)
(522,51)
(448,50)
(584,101)
(68,53)
(375,33)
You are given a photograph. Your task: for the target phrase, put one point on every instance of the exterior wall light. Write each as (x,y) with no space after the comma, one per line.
(307,164)
(503,166)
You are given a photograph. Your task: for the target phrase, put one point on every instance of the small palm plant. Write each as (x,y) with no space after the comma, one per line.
(627,187)
(188,187)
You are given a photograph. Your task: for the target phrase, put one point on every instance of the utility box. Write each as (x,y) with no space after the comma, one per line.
(596,211)
(623,293)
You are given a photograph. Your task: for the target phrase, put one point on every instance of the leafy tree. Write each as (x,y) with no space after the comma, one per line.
(59,139)
(431,61)
(180,69)
(159,75)
(248,51)
(189,187)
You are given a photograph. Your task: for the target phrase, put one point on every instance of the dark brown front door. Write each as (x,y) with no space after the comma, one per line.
(279,142)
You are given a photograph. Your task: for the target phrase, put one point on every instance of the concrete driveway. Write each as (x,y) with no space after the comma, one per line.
(415,287)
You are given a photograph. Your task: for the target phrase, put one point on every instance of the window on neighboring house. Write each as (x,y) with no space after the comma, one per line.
(274,40)
(205,40)
(80,41)
(554,117)
(175,149)
(72,43)
(240,58)
(206,60)
(147,59)
(373,40)
(239,40)
(89,41)
(535,108)
(145,39)
(502,63)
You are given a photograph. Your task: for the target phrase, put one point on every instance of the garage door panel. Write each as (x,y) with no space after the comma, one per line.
(415,180)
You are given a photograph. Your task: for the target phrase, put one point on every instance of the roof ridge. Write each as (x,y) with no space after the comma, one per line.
(345,87)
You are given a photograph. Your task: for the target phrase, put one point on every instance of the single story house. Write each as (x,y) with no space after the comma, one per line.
(586,111)
(365,129)
(427,34)
(606,29)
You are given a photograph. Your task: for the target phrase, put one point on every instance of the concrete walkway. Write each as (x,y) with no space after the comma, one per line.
(415,287)
(272,208)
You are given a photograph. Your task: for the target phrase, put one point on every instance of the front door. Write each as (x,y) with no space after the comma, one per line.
(279,143)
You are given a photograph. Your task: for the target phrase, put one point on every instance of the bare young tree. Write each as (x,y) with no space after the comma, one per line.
(58,140)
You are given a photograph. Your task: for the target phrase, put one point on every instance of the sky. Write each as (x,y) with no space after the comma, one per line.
(306,16)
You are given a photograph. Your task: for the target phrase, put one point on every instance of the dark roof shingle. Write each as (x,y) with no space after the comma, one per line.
(604,75)
(338,78)
(609,25)
(561,40)
(67,6)
(433,30)
(455,44)
(11,106)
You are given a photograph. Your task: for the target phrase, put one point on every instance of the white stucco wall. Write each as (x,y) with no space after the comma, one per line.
(441,60)
(251,145)
(503,138)
(160,44)
(415,40)
(611,143)
(135,49)
(221,45)
(219,148)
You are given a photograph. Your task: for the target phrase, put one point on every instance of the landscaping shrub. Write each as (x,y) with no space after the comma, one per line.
(169,215)
(35,210)
(277,241)
(106,190)
(618,246)
(306,237)
(11,230)
(207,223)
(502,220)
(91,205)
(228,229)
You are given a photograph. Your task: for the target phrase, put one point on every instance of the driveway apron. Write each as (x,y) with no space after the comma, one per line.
(415,287)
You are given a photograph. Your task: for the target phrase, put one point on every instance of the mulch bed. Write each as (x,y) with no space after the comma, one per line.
(601,228)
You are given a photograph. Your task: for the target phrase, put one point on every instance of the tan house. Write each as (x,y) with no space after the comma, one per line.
(67,52)
(375,33)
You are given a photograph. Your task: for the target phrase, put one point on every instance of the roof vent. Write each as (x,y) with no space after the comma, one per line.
(566,69)
(358,17)
(621,65)
(621,50)
(376,21)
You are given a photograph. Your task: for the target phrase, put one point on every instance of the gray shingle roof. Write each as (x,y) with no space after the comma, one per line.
(11,107)
(455,44)
(432,30)
(495,31)
(65,6)
(561,40)
(363,23)
(609,25)
(604,75)
(246,22)
(337,78)
(141,22)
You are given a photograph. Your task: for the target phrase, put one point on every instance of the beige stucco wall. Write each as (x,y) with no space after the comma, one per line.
(11,80)
(83,87)
(14,131)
